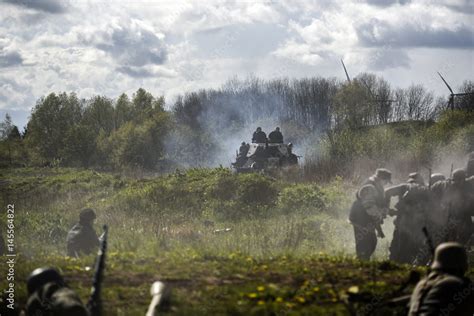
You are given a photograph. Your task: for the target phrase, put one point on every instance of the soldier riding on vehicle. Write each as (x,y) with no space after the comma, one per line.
(263,154)
(259,136)
(275,136)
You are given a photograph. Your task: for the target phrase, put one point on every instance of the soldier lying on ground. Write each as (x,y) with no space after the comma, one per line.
(49,295)
(445,291)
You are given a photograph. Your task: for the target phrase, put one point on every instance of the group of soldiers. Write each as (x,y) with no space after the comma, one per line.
(445,290)
(437,214)
(442,209)
(263,149)
(48,293)
(442,206)
(275,136)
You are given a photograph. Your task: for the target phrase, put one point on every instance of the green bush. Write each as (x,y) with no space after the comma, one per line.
(301,199)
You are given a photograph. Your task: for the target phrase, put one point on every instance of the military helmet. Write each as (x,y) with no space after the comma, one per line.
(435,177)
(459,175)
(384,174)
(259,129)
(450,256)
(416,177)
(41,276)
(87,215)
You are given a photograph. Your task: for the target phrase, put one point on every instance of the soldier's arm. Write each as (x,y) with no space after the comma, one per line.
(396,190)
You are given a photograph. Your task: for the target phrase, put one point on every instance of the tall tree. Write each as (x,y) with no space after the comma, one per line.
(99,115)
(6,127)
(51,119)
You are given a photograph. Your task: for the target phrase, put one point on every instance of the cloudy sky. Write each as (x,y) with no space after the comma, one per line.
(168,47)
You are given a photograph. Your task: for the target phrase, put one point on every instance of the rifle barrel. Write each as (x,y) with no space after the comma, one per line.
(95,303)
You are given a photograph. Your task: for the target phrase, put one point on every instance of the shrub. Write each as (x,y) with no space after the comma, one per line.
(301,198)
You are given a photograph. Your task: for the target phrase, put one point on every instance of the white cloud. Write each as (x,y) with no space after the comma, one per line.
(300,52)
(109,47)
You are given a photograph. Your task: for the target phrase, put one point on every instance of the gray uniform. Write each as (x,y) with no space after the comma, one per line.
(443,294)
(412,216)
(82,239)
(445,291)
(53,299)
(456,202)
(470,166)
(366,215)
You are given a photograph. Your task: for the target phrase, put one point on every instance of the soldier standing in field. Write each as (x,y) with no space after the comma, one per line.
(411,216)
(367,213)
(470,165)
(445,291)
(82,238)
(456,198)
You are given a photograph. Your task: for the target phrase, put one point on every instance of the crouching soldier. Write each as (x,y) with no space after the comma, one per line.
(445,291)
(48,295)
(368,211)
(82,238)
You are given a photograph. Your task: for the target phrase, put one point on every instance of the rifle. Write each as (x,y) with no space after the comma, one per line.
(378,228)
(391,300)
(429,178)
(429,242)
(95,303)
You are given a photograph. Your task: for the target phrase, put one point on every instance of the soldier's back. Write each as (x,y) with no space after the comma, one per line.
(442,294)
(81,239)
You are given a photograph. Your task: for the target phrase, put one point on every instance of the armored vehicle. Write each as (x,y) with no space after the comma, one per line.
(263,156)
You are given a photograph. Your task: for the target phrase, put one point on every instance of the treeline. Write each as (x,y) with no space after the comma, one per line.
(64,130)
(142,132)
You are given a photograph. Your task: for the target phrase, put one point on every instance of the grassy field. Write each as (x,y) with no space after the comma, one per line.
(289,250)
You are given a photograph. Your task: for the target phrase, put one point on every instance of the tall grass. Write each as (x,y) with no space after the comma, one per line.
(178,212)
